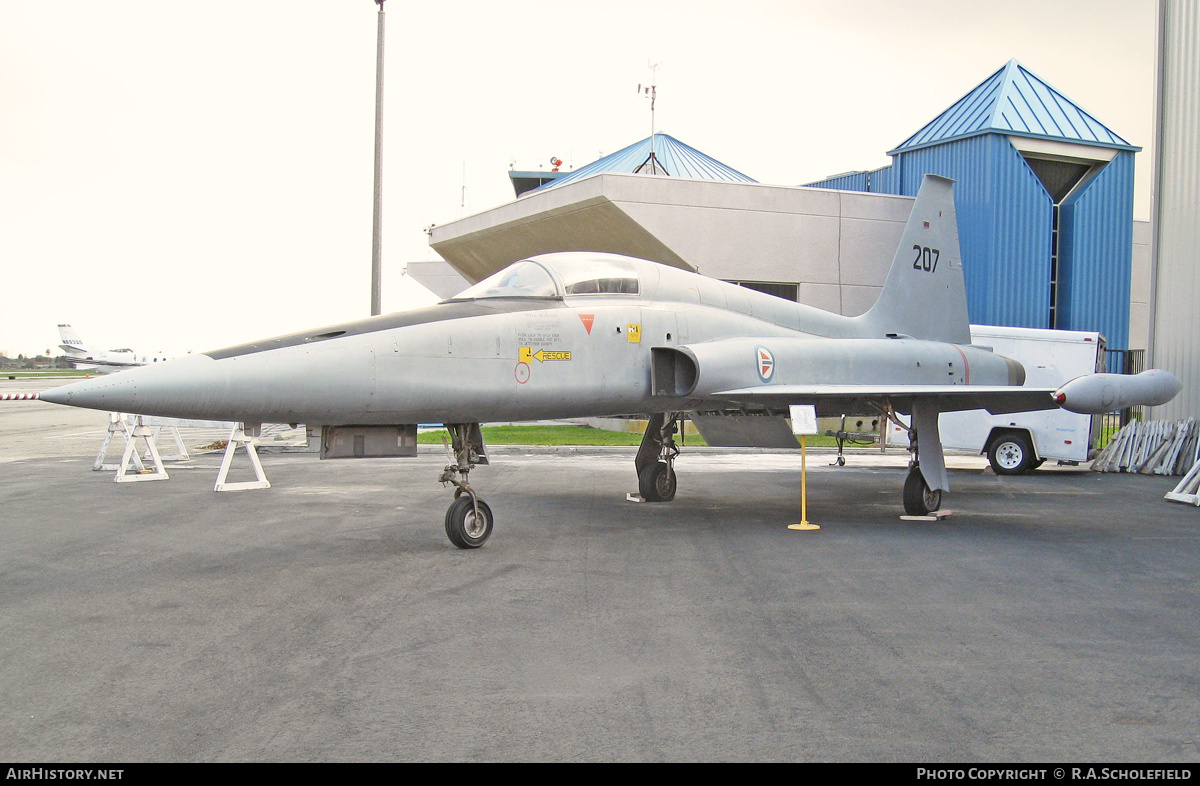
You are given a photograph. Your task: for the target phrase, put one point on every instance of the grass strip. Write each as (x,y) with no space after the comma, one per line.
(577,436)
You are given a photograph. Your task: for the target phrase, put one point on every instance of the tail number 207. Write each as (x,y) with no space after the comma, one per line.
(926,259)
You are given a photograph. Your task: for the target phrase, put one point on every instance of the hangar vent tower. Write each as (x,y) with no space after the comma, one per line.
(1175,318)
(1045,204)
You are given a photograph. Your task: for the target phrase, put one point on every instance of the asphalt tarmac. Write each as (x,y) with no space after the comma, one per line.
(1050,618)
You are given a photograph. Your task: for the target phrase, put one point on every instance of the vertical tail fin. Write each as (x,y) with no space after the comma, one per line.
(925,295)
(71,343)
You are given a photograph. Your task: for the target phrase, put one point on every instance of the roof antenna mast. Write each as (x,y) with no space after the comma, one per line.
(651,92)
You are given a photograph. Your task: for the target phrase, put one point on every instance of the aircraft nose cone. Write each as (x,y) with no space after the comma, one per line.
(112,395)
(165,389)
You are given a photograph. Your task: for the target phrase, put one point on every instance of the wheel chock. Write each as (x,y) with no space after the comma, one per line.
(936,515)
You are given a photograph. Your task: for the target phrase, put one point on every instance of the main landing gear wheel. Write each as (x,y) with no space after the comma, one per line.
(919,499)
(466,528)
(1011,454)
(656,482)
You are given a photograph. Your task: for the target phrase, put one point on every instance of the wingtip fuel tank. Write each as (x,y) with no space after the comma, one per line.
(1096,394)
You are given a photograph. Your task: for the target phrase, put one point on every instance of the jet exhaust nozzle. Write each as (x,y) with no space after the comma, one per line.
(1096,394)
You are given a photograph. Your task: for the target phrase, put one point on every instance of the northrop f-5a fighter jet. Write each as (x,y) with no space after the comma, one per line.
(580,334)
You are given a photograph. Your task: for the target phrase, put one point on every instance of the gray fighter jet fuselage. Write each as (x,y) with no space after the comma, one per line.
(501,357)
(588,334)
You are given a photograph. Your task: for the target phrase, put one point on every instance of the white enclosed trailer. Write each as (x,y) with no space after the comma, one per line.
(1021,441)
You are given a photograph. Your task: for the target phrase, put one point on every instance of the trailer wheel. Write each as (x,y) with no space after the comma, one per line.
(1011,454)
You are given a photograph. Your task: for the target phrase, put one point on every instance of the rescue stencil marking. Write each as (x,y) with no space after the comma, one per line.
(766,363)
(634,333)
(526,355)
(587,320)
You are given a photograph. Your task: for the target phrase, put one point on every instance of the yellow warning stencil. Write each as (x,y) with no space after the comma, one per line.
(527,355)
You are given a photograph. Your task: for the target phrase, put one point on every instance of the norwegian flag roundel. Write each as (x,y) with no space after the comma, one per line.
(766,363)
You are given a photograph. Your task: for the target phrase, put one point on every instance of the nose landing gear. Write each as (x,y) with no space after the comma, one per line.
(655,462)
(469,519)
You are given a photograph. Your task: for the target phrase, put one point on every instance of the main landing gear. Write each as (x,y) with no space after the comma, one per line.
(655,462)
(469,519)
(919,498)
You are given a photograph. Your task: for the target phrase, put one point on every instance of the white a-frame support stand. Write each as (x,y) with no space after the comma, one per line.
(238,437)
(119,424)
(183,454)
(1188,490)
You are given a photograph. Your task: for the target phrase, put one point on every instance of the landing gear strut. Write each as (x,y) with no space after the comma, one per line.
(919,499)
(469,519)
(655,462)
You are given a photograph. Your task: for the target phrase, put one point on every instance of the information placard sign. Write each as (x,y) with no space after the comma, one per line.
(804,419)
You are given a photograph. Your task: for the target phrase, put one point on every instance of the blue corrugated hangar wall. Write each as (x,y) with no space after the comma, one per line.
(1021,269)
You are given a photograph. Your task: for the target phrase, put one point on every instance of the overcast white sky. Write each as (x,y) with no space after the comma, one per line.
(184,176)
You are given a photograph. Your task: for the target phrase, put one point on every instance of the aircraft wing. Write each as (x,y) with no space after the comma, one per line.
(833,400)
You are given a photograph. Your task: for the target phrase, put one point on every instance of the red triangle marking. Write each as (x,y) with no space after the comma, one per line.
(587,320)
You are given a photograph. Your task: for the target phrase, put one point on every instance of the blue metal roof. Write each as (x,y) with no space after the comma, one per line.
(1015,102)
(673,158)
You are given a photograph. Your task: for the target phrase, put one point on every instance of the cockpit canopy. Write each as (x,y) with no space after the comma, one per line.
(559,275)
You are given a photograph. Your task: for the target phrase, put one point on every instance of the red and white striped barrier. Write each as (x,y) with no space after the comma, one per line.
(18,396)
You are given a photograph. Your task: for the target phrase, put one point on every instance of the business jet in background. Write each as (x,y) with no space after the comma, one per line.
(82,356)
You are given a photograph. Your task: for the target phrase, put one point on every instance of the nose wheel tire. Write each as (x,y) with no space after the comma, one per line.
(656,482)
(466,529)
(919,499)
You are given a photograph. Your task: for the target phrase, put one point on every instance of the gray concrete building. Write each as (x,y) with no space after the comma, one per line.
(829,249)
(825,248)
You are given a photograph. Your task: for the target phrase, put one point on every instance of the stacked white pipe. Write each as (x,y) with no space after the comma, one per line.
(1157,448)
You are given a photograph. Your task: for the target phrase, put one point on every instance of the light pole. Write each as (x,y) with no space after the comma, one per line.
(377,212)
